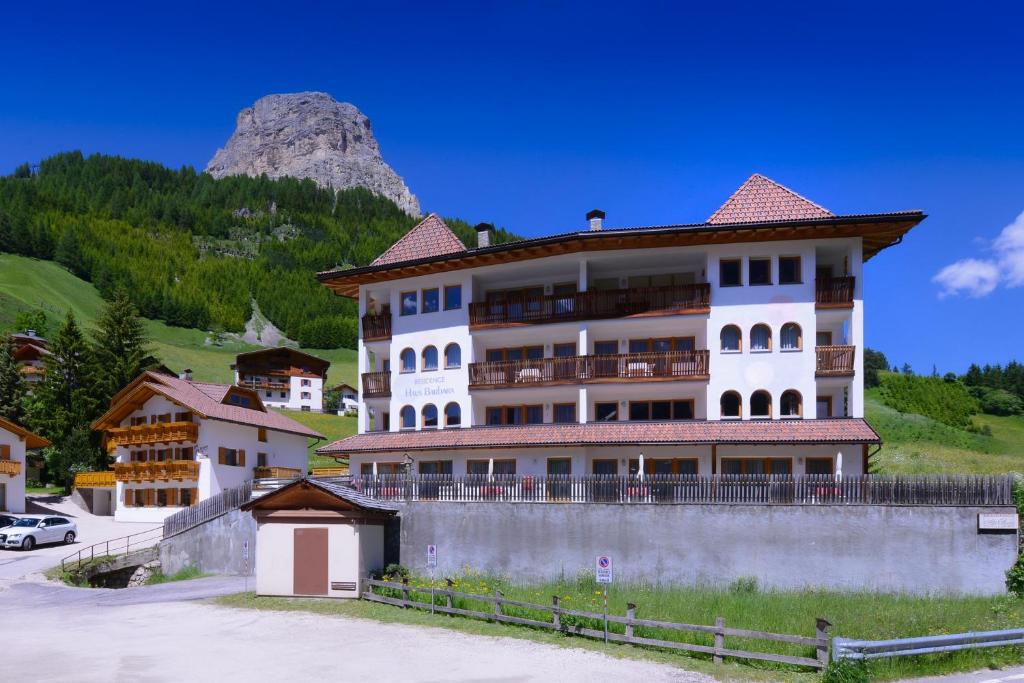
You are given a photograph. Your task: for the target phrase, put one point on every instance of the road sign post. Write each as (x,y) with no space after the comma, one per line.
(432,563)
(603,574)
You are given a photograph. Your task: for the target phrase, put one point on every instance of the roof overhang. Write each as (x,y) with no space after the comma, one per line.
(877,230)
(31,439)
(305,495)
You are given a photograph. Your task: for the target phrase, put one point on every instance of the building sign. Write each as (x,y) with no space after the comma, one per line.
(431,555)
(427,387)
(603,569)
(1001,521)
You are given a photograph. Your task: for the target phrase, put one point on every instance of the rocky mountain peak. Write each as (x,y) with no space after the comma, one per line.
(310,135)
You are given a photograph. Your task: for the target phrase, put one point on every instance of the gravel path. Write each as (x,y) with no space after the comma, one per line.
(176,641)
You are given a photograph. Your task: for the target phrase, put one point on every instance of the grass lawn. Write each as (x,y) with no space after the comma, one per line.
(855,615)
(333,427)
(45,490)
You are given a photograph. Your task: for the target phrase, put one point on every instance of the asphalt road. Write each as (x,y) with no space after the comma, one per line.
(986,676)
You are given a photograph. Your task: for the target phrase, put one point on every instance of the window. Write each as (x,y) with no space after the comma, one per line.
(270,394)
(452,415)
(731,404)
(408,303)
(307,383)
(606,466)
(452,297)
(791,404)
(261,434)
(662,345)
(435,467)
(429,358)
(231,456)
(606,412)
(430,416)
(661,410)
(760,404)
(789,270)
(500,467)
(606,348)
(564,413)
(242,400)
(823,409)
(186,497)
(757,465)
(823,338)
(136,421)
(792,337)
(431,300)
(186,453)
(760,338)
(729,273)
(306,396)
(818,466)
(516,353)
(515,415)
(408,417)
(183,417)
(366,468)
(283,394)
(684,466)
(452,356)
(732,339)
(407,360)
(760,271)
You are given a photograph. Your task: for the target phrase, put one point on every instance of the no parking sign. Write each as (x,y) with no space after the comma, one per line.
(603,569)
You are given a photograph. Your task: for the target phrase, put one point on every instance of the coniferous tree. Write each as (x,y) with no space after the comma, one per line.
(121,347)
(12,384)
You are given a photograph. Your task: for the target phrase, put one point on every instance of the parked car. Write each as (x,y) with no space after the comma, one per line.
(32,530)
(7,520)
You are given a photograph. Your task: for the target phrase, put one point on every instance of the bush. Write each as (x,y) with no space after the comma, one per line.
(1015,578)
(846,671)
(1000,402)
(745,585)
(949,403)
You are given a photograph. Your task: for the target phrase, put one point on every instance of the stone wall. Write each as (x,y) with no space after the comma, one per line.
(216,547)
(883,548)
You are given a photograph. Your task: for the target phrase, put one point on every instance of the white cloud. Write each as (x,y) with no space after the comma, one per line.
(979,277)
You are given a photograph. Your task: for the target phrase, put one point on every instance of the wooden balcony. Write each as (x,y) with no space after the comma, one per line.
(265,383)
(592,305)
(376,384)
(276,473)
(624,367)
(834,361)
(95,480)
(167,470)
(376,327)
(161,432)
(339,471)
(834,292)
(10,467)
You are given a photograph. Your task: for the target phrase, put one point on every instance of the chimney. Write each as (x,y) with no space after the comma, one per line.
(595,217)
(483,234)
(186,375)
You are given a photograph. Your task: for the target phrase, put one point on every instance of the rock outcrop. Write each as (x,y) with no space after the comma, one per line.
(310,135)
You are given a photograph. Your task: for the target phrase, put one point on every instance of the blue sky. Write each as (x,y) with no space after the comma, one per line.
(529,114)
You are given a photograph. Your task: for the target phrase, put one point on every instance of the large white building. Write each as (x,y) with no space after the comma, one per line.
(15,441)
(732,346)
(177,442)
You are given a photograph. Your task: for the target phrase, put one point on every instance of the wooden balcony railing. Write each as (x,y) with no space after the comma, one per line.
(161,432)
(834,361)
(624,367)
(376,384)
(834,292)
(339,471)
(376,326)
(276,472)
(10,467)
(591,305)
(156,471)
(265,383)
(95,480)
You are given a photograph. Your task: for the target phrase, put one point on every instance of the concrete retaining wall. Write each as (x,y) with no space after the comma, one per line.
(891,549)
(216,547)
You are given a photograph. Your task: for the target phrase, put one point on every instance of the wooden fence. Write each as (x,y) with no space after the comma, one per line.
(633,629)
(204,511)
(692,489)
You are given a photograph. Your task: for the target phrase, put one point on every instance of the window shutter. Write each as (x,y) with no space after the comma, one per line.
(129,497)
(221,455)
(194,496)
(172,497)
(5,452)
(241,458)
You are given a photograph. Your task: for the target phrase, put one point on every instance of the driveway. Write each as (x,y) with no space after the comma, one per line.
(15,564)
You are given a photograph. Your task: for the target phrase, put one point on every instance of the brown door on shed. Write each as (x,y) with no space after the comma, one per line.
(309,576)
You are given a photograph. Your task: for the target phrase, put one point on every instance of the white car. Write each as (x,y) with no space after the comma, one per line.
(33,530)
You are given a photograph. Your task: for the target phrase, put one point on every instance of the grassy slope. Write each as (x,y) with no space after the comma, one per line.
(333,427)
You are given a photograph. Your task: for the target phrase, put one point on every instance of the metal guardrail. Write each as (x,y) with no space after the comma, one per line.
(114,547)
(845,648)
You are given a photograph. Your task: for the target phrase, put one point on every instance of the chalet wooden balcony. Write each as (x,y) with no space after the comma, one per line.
(167,470)
(624,367)
(10,467)
(376,326)
(276,472)
(95,480)
(592,305)
(834,292)
(265,383)
(161,432)
(834,361)
(377,384)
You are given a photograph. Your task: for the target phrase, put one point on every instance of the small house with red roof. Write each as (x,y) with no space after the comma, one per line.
(176,442)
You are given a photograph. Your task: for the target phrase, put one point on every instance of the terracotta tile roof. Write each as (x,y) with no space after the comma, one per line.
(761,200)
(838,431)
(205,399)
(31,440)
(431,237)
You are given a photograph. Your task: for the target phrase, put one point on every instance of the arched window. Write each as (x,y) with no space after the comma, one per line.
(452,415)
(407,360)
(792,404)
(732,338)
(760,404)
(430,358)
(760,338)
(408,417)
(452,356)
(430,416)
(792,337)
(731,405)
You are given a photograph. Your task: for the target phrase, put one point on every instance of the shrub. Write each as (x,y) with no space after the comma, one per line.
(846,671)
(745,585)
(949,403)
(1015,577)
(1000,402)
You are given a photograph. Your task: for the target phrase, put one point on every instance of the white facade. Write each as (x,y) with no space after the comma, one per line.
(775,370)
(291,393)
(12,486)
(261,447)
